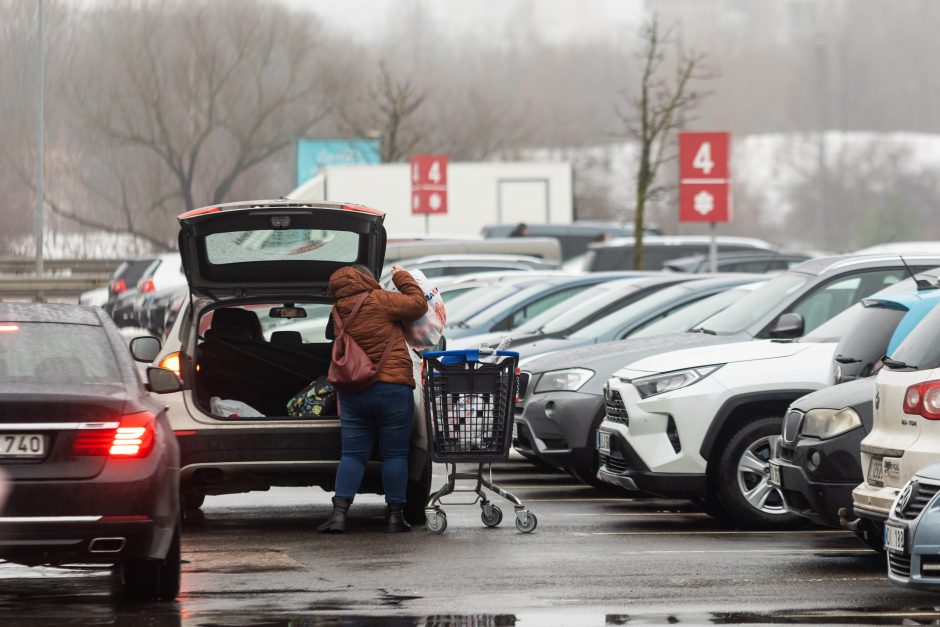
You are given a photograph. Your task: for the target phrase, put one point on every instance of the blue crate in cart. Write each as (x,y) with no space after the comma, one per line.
(469,399)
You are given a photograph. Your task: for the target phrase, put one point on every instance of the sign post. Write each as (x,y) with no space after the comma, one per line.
(428,187)
(705,182)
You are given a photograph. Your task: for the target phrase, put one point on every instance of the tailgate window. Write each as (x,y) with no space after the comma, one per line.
(282,245)
(52,353)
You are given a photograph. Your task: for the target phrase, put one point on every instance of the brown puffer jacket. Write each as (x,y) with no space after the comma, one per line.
(378,316)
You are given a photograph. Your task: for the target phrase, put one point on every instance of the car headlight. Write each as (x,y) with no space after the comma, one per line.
(669,381)
(569,379)
(828,423)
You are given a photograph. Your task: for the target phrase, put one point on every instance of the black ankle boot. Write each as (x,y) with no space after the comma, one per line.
(395,518)
(336,523)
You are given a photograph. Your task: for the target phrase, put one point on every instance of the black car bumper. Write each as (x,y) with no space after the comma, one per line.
(622,467)
(76,539)
(558,428)
(816,501)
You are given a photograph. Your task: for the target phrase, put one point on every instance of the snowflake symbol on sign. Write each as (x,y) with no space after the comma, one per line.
(704,203)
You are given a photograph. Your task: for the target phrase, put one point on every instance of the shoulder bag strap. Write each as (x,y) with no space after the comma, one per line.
(337,320)
(396,331)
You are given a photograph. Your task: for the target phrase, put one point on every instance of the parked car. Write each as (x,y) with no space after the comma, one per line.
(654,299)
(912,532)
(817,464)
(617,254)
(91,459)
(556,420)
(238,340)
(454,265)
(757,262)
(701,422)
(160,282)
(123,290)
(545,248)
(905,434)
(498,313)
(574,238)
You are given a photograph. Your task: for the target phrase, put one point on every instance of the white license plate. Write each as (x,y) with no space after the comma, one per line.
(876,471)
(894,538)
(515,431)
(603,442)
(22,445)
(775,474)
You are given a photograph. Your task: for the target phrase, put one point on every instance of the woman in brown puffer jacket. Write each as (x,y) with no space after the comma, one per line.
(386,407)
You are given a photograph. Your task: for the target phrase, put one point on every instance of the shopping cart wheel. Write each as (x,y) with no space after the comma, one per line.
(491,515)
(436,522)
(526,522)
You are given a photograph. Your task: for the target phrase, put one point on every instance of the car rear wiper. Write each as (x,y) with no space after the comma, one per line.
(843,359)
(703,330)
(894,364)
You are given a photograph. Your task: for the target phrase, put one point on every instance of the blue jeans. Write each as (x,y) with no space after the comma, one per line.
(386,410)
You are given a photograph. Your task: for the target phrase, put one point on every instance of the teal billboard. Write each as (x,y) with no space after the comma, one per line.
(315,154)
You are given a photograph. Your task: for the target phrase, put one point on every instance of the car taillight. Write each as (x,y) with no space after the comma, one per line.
(9,328)
(172,362)
(118,286)
(923,399)
(146,286)
(132,438)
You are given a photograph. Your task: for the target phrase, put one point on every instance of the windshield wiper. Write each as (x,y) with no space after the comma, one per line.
(842,359)
(703,330)
(894,364)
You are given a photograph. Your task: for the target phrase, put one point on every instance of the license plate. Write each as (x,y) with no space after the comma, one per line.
(876,471)
(894,538)
(775,474)
(22,445)
(603,442)
(515,431)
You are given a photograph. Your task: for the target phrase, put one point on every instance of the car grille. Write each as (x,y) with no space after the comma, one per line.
(900,566)
(921,495)
(523,384)
(613,464)
(615,409)
(791,425)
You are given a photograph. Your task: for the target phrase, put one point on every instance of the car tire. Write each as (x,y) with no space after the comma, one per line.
(154,580)
(192,500)
(588,476)
(417,494)
(742,480)
(872,538)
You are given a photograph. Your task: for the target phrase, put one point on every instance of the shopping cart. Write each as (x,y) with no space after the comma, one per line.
(469,396)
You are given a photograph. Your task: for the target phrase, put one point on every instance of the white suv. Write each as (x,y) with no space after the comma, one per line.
(905,435)
(700,423)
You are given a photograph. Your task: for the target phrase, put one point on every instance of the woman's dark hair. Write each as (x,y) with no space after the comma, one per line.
(364,270)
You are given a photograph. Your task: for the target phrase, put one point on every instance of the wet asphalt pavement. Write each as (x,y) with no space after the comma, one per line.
(595,559)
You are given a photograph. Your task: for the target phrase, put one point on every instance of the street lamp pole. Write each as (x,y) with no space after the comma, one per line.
(40,143)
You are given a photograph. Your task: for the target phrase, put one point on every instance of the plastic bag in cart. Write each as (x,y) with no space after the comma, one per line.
(426,331)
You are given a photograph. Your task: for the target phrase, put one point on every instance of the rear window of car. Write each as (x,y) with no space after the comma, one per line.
(53,353)
(866,341)
(921,348)
(282,245)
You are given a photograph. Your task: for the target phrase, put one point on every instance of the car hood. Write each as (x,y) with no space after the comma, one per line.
(849,394)
(721,354)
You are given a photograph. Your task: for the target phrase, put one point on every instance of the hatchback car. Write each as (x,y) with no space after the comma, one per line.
(254,335)
(912,532)
(122,291)
(92,461)
(161,281)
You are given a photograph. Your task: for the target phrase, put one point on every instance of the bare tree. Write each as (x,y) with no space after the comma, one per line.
(391,106)
(653,116)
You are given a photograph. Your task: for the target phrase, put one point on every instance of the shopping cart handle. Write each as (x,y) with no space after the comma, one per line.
(471,354)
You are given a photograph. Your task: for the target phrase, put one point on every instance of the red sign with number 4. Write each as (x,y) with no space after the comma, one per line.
(704,177)
(428,184)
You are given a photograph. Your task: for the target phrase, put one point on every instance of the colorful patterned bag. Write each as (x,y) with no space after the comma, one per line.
(314,401)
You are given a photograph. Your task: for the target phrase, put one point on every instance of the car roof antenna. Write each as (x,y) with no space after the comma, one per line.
(922,284)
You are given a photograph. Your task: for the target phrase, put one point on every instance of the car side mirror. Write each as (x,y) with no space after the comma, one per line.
(788,325)
(162,381)
(145,349)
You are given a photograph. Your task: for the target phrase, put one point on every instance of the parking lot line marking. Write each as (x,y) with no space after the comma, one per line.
(711,533)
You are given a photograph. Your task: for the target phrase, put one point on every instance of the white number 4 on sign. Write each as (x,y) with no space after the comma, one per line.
(434,174)
(703,158)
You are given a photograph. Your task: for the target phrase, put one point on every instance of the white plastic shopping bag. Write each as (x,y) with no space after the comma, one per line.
(426,331)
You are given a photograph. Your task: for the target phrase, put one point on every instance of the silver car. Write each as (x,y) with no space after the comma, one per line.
(912,532)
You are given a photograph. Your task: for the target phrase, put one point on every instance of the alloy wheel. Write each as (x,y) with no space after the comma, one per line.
(754,479)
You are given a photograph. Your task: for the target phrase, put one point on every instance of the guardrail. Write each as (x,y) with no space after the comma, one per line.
(77,266)
(63,280)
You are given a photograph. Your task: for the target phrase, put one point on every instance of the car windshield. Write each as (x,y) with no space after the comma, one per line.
(628,313)
(565,315)
(691,315)
(473,301)
(52,354)
(755,305)
(920,349)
